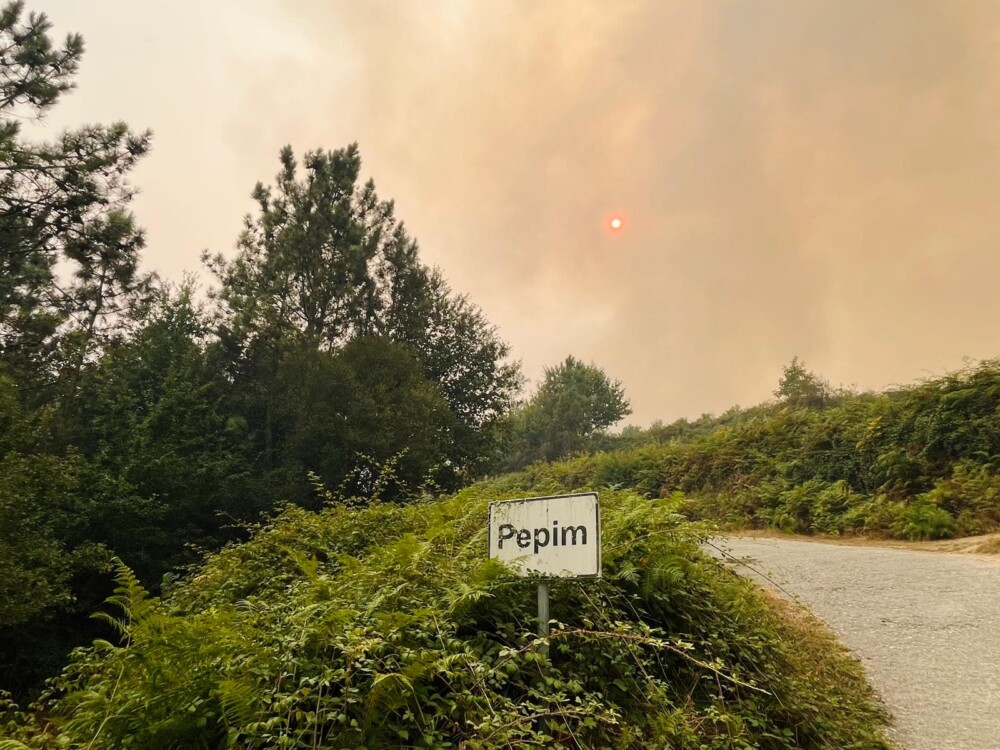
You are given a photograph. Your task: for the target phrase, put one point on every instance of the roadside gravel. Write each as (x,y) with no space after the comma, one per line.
(926,626)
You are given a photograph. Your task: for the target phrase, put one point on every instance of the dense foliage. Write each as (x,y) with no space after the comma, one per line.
(917,462)
(139,422)
(326,278)
(573,406)
(388,627)
(68,267)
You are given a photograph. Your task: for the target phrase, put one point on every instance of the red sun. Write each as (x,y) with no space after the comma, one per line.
(616,223)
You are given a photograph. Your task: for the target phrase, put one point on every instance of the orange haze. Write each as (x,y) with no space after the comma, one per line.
(816,179)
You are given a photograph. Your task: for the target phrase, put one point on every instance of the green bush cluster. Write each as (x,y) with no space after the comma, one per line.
(388,627)
(918,462)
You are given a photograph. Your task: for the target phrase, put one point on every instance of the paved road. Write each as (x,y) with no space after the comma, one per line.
(925,625)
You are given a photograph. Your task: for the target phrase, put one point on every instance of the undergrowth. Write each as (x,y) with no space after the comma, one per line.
(916,462)
(387,627)
(965,502)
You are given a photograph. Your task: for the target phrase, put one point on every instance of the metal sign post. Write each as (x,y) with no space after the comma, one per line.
(543,615)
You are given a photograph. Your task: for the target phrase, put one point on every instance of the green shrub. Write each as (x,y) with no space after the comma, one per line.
(972,494)
(387,627)
(874,516)
(922,519)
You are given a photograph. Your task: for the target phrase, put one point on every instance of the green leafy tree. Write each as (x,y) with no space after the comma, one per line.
(574,403)
(360,410)
(800,387)
(52,567)
(463,354)
(138,462)
(42,515)
(154,415)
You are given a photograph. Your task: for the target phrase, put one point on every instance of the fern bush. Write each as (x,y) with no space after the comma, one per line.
(921,520)
(972,495)
(387,626)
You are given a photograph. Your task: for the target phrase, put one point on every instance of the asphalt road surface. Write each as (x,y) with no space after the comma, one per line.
(926,626)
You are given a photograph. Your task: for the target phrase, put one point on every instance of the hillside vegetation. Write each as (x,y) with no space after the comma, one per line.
(387,627)
(916,462)
(151,422)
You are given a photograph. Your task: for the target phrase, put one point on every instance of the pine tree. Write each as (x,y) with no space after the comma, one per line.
(70,245)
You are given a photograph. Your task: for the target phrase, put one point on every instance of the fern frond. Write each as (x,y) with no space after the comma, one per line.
(239,700)
(130,597)
(388,691)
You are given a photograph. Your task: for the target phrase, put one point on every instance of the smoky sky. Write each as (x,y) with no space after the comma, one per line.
(814,179)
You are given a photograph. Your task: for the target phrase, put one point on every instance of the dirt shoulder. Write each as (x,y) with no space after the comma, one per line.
(987,545)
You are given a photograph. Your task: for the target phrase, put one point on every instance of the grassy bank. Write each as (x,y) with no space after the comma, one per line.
(386,627)
(916,462)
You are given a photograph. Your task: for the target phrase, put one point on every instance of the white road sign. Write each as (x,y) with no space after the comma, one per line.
(556,537)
